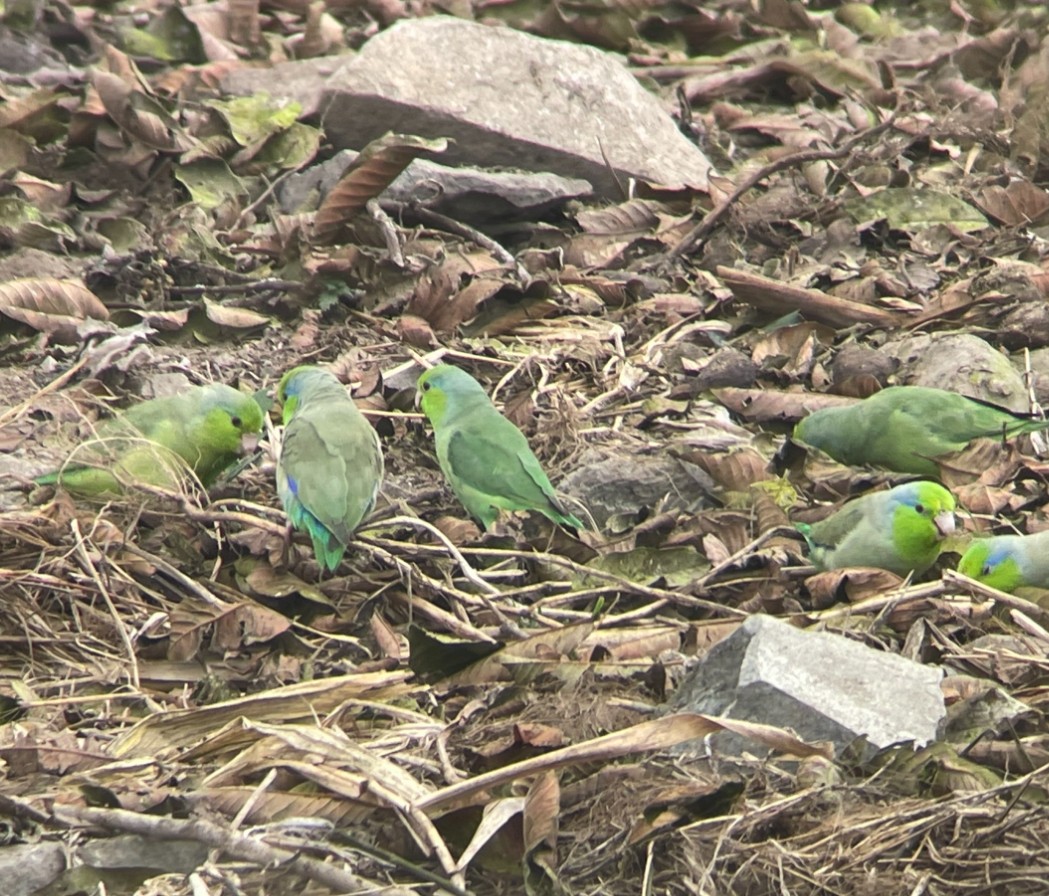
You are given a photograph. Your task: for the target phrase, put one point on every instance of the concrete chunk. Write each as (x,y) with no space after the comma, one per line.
(823,686)
(509,99)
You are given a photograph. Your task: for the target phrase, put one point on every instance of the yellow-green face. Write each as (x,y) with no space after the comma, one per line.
(997,568)
(922,517)
(430,396)
(232,424)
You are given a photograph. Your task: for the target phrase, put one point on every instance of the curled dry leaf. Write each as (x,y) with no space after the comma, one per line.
(988,461)
(379,164)
(137,115)
(852,585)
(52,306)
(736,471)
(765,406)
(234,318)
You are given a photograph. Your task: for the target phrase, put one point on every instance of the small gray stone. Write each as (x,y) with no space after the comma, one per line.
(822,686)
(727,367)
(509,99)
(138,851)
(1026,326)
(29,867)
(960,363)
(861,360)
(622,484)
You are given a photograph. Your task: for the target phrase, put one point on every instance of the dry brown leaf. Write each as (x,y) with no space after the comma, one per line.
(233,317)
(768,406)
(451,291)
(779,298)
(1020,204)
(853,585)
(247,624)
(623,644)
(379,164)
(736,471)
(990,462)
(242,21)
(542,815)
(701,636)
(146,126)
(635,216)
(53,306)
(275,805)
(415,330)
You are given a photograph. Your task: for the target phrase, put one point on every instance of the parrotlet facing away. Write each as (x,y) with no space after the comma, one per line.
(330,465)
(1008,562)
(205,428)
(903,428)
(899,530)
(485,458)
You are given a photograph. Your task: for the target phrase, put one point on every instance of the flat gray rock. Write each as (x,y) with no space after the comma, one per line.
(27,868)
(822,686)
(470,195)
(509,99)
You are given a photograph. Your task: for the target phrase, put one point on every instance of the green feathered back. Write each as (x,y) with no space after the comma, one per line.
(903,428)
(330,465)
(485,458)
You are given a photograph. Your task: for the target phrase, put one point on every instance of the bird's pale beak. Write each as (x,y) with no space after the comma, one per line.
(249,442)
(418,398)
(944,522)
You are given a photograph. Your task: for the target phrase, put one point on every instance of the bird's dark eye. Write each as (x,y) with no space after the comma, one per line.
(919,508)
(426,387)
(986,571)
(236,421)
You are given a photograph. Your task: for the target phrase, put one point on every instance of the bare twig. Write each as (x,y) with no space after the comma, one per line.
(714,216)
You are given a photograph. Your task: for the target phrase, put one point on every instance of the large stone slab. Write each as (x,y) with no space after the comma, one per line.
(821,685)
(958,362)
(509,99)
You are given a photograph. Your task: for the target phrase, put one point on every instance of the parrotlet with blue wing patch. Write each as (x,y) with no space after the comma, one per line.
(330,465)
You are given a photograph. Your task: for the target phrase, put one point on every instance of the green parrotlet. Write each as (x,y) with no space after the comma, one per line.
(205,428)
(900,530)
(485,458)
(330,465)
(1008,562)
(904,428)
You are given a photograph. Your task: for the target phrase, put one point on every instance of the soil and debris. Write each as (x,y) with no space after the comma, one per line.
(848,198)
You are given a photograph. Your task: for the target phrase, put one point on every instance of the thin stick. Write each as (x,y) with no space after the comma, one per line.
(714,216)
(91,570)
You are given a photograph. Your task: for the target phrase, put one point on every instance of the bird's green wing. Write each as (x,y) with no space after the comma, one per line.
(503,468)
(333,464)
(832,531)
